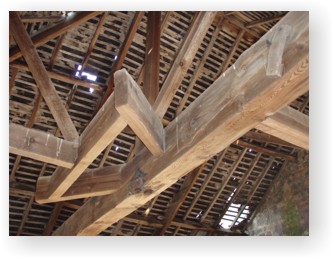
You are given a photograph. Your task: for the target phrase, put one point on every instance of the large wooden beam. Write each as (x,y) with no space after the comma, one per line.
(41,146)
(135,109)
(183,61)
(53,32)
(104,128)
(288,124)
(235,103)
(40,75)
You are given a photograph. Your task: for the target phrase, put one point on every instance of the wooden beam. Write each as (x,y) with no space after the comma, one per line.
(121,55)
(12,80)
(103,129)
(53,32)
(183,61)
(25,215)
(264,137)
(289,125)
(32,19)
(21,188)
(56,50)
(233,104)
(264,21)
(135,109)
(95,182)
(53,218)
(43,82)
(61,77)
(200,67)
(152,57)
(41,146)
(265,150)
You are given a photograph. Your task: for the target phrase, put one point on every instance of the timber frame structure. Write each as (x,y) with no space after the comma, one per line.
(152,123)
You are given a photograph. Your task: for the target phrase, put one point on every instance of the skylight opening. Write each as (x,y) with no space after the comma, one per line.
(231,215)
(86,75)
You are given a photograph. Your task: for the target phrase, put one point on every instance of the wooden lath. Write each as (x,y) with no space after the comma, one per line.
(240,115)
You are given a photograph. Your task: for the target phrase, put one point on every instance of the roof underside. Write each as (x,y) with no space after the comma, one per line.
(230,185)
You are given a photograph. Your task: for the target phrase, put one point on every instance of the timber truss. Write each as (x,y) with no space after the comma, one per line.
(252,93)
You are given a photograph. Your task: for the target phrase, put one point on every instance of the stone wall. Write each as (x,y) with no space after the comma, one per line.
(285,208)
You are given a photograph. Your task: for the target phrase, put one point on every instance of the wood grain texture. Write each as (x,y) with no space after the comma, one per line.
(288,124)
(42,79)
(235,103)
(41,146)
(183,61)
(138,113)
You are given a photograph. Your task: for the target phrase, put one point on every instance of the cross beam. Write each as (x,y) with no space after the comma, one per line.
(236,102)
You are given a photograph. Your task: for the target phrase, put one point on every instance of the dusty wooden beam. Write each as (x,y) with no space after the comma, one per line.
(183,61)
(288,124)
(53,32)
(103,129)
(235,103)
(41,146)
(61,77)
(121,55)
(40,75)
(152,57)
(264,21)
(135,109)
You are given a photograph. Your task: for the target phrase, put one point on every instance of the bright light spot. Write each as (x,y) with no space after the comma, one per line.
(77,73)
(70,13)
(250,150)
(199,214)
(79,67)
(147,211)
(116,148)
(115,57)
(91,90)
(89,76)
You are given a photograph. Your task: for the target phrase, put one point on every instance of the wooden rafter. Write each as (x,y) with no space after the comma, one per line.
(232,106)
(183,61)
(53,32)
(53,218)
(40,75)
(288,124)
(264,21)
(152,57)
(55,50)
(121,56)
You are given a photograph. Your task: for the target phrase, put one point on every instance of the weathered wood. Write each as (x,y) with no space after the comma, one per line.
(52,18)
(103,129)
(61,77)
(53,32)
(12,80)
(95,182)
(25,215)
(22,189)
(41,146)
(40,75)
(152,57)
(288,124)
(233,104)
(56,50)
(135,109)
(121,55)
(183,61)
